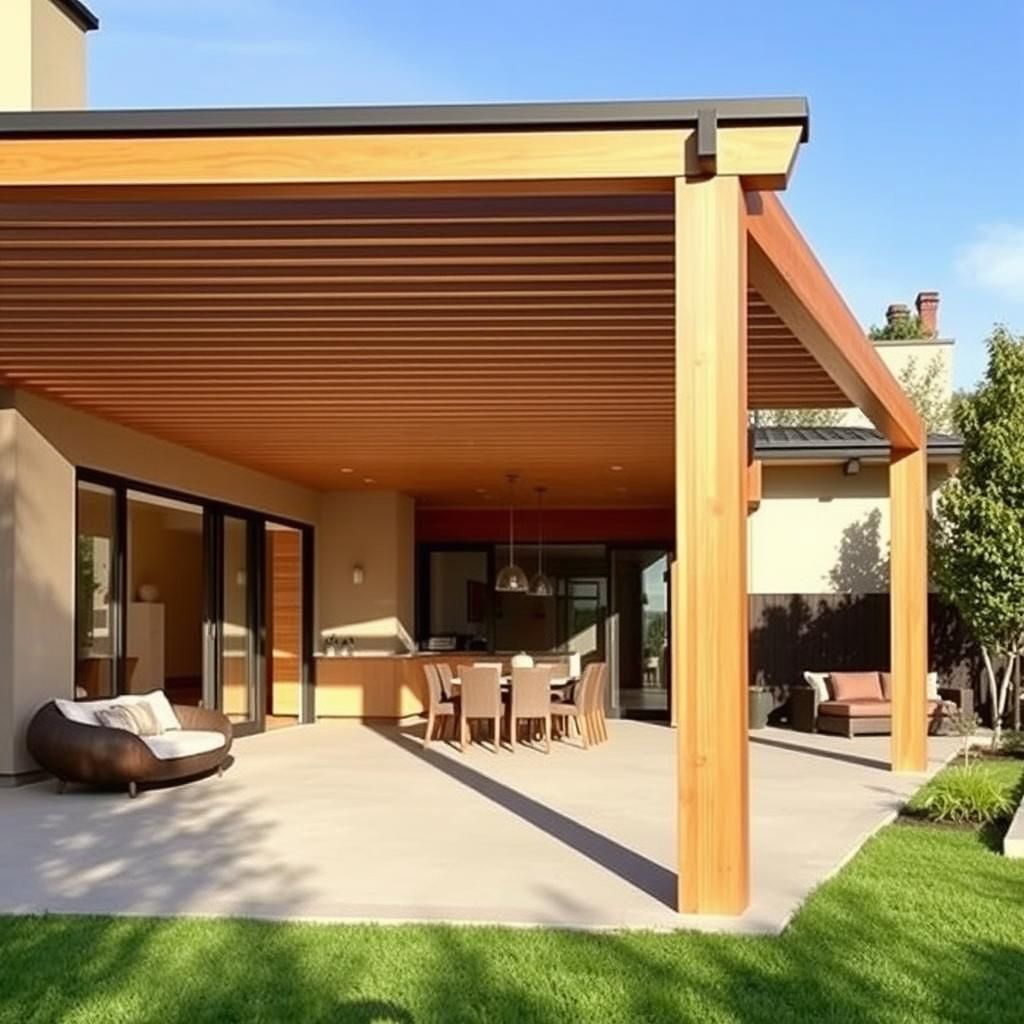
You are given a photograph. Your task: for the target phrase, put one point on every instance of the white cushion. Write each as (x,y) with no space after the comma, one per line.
(818,681)
(932,686)
(85,712)
(183,743)
(161,707)
(575,665)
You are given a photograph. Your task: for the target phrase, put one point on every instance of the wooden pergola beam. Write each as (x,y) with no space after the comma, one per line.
(709,613)
(512,161)
(787,274)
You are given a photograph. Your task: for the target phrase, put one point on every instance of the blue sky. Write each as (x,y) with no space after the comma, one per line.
(912,179)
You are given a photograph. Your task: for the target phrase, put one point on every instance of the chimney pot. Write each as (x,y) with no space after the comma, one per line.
(927,304)
(897,313)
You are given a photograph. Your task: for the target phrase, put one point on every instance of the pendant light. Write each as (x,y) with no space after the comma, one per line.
(512,579)
(541,585)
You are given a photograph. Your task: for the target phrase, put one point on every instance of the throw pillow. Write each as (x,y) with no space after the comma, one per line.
(158,703)
(856,686)
(818,681)
(120,717)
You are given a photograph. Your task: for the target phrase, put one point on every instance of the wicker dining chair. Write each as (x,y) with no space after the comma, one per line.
(447,680)
(583,708)
(531,701)
(438,706)
(480,697)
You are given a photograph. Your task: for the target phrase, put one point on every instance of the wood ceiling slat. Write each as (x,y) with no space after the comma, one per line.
(430,342)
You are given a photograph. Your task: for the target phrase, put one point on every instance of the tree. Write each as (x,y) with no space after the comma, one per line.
(800,417)
(978,548)
(926,388)
(905,328)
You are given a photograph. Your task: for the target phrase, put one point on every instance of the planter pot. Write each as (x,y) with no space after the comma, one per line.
(760,704)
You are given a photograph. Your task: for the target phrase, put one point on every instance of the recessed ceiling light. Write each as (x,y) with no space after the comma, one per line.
(616,468)
(480,490)
(347,469)
(368,480)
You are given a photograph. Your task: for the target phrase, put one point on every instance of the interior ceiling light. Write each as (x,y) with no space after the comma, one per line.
(541,585)
(512,579)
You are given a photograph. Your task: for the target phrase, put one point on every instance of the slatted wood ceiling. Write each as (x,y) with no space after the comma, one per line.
(426,344)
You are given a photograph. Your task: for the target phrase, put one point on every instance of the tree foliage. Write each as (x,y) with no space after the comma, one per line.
(978,545)
(908,328)
(926,388)
(801,417)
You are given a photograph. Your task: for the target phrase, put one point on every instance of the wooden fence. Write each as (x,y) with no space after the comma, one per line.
(794,633)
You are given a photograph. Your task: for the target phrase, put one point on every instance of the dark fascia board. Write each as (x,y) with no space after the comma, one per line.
(940,447)
(79,14)
(478,117)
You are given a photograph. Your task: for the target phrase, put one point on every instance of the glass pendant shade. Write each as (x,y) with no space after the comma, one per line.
(511,579)
(541,585)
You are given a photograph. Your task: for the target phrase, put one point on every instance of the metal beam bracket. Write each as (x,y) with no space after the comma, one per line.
(707,140)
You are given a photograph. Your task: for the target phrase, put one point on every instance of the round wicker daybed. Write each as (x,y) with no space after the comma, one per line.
(102,756)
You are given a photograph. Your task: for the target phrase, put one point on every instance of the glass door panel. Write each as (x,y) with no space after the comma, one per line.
(237,626)
(97,601)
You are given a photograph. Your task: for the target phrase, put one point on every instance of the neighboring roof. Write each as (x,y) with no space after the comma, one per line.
(772,443)
(78,12)
(410,118)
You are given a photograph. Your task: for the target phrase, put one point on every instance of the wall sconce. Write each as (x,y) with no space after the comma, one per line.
(358,575)
(851,467)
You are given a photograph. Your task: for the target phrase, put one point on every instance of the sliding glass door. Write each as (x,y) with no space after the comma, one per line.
(202,600)
(233,681)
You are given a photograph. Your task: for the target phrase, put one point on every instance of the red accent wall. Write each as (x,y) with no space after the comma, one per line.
(565,525)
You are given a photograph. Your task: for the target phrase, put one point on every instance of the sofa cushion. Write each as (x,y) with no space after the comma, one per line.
(855,686)
(818,681)
(86,712)
(868,708)
(931,686)
(184,743)
(136,717)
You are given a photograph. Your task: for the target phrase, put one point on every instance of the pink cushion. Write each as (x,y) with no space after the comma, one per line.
(855,686)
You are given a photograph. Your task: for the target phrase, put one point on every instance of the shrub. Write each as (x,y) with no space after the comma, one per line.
(1013,744)
(971,795)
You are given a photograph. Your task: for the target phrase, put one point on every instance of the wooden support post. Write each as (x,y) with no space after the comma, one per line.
(908,592)
(709,617)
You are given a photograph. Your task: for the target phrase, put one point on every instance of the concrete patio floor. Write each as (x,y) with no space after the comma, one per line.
(340,821)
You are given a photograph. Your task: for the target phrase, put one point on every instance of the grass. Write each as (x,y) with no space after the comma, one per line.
(924,925)
(982,792)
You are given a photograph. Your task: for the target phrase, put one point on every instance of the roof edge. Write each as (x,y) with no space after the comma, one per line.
(546,116)
(79,14)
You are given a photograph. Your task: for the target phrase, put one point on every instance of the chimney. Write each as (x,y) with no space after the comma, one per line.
(42,54)
(897,313)
(928,310)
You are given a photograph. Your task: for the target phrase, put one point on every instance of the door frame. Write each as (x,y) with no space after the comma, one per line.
(214,510)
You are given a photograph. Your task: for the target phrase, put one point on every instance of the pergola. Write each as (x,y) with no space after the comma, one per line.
(437,295)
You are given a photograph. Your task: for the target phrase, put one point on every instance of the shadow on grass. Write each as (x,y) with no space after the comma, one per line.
(896,937)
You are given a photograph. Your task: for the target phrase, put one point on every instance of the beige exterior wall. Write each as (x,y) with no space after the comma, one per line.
(42,57)
(898,355)
(37,592)
(98,444)
(375,530)
(819,531)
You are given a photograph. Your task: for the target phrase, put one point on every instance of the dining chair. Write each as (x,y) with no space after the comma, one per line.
(581,708)
(480,697)
(531,700)
(490,664)
(447,680)
(438,707)
(599,701)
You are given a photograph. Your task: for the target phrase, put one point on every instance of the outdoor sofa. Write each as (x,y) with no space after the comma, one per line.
(859,703)
(68,739)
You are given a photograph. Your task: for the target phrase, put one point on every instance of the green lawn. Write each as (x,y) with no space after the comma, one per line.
(925,924)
